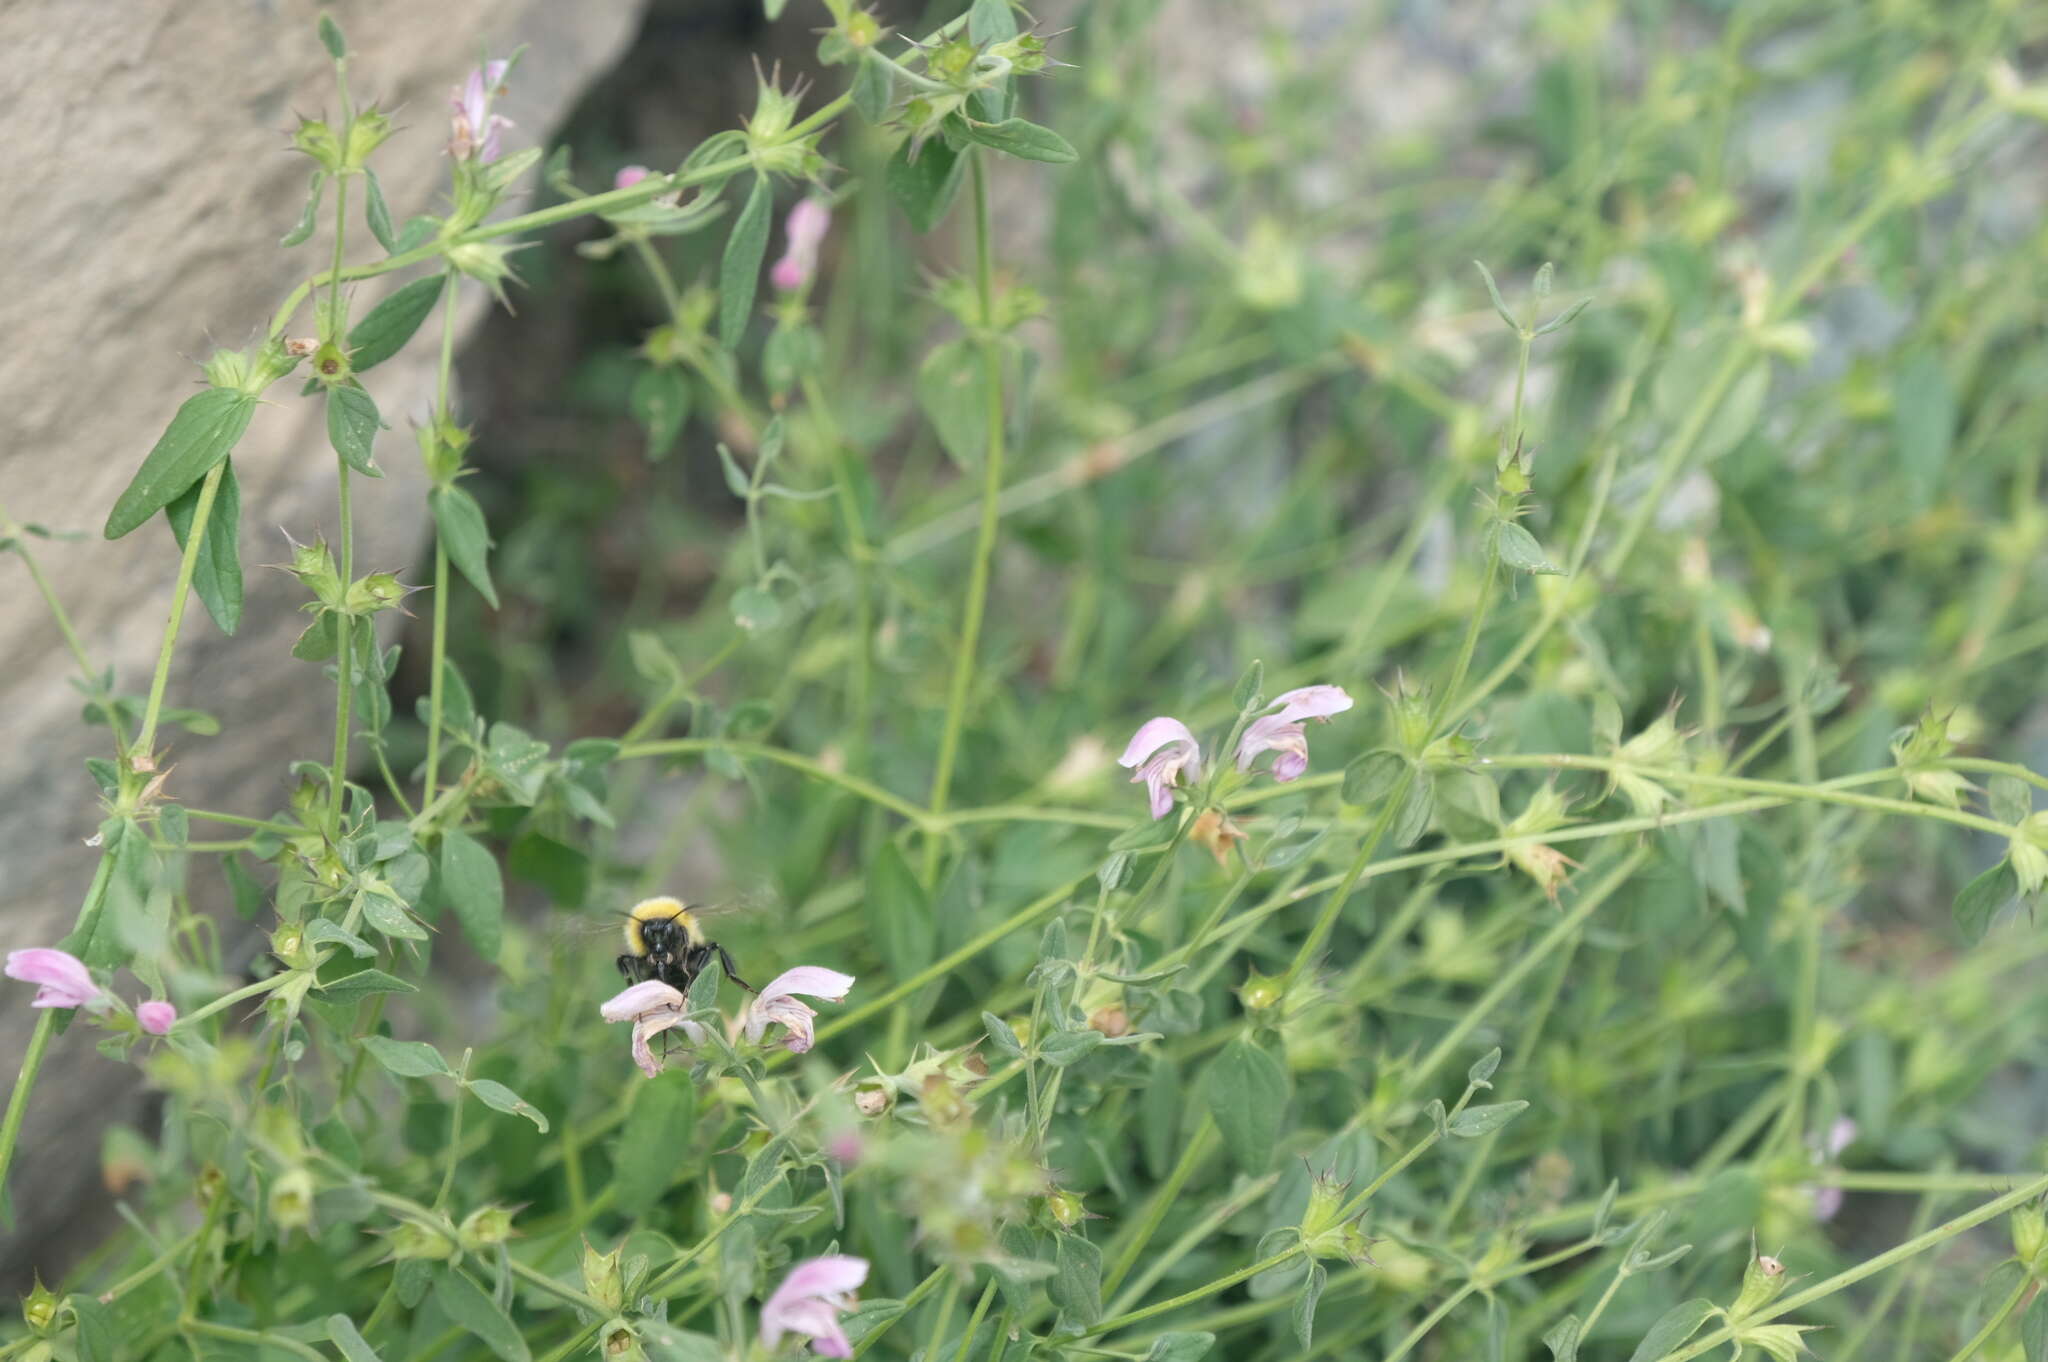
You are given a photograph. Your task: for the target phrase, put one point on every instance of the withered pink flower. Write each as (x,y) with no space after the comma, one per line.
(810,1301)
(157,1016)
(63,979)
(1160,751)
(653,1007)
(476,130)
(777,1005)
(1282,731)
(805,231)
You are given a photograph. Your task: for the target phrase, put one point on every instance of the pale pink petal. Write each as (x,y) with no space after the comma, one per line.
(1274,731)
(1312,702)
(629,176)
(810,1300)
(1160,797)
(813,981)
(807,225)
(645,996)
(1154,734)
(64,980)
(651,1024)
(157,1016)
(1841,1135)
(788,274)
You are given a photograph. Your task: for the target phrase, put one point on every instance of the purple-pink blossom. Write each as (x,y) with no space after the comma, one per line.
(156,1016)
(1160,752)
(629,176)
(804,231)
(476,130)
(63,980)
(1827,1201)
(810,1301)
(1282,732)
(777,1005)
(653,1007)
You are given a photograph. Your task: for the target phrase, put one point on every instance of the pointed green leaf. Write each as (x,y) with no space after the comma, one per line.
(1473,1122)
(303,232)
(899,914)
(460,522)
(407,1058)
(1245,1091)
(473,1310)
(498,1097)
(217,572)
(660,401)
(739,272)
(475,889)
(1024,140)
(203,432)
(352,426)
(1671,1331)
(377,213)
(1983,899)
(386,328)
(952,387)
(924,184)
(660,1121)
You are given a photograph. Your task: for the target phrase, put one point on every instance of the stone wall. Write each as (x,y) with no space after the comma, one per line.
(149,177)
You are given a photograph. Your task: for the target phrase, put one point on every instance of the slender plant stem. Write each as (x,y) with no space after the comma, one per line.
(187,565)
(344,676)
(1998,1318)
(438,662)
(985,541)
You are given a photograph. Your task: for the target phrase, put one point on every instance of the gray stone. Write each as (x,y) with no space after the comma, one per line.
(149,177)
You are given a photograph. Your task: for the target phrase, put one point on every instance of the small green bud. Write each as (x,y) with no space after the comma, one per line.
(952,61)
(330,364)
(484,1227)
(370,130)
(1260,993)
(414,1240)
(1066,1209)
(288,944)
(2029,1235)
(861,30)
(318,141)
(486,262)
(378,592)
(1025,53)
(314,565)
(291,1200)
(602,1280)
(1762,1282)
(39,1309)
(227,369)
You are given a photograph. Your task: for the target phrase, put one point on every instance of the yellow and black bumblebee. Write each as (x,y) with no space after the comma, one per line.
(666,941)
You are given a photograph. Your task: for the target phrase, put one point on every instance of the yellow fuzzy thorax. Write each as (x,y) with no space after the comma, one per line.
(658,910)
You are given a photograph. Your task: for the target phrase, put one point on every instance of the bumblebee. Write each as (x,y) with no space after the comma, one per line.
(666,941)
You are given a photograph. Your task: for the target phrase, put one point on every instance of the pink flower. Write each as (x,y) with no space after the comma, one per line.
(1282,731)
(64,979)
(805,230)
(777,1003)
(1160,750)
(156,1016)
(629,176)
(476,129)
(809,1302)
(1827,1201)
(652,1007)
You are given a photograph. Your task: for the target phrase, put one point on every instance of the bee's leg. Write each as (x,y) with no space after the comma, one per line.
(629,966)
(725,960)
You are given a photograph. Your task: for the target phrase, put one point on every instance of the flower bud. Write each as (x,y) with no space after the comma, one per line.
(330,364)
(486,262)
(2029,1235)
(314,565)
(319,141)
(378,592)
(602,1280)
(720,1204)
(1762,1282)
(629,176)
(1111,1021)
(414,1240)
(291,1200)
(369,131)
(39,1309)
(1066,1209)
(156,1016)
(227,369)
(484,1227)
(1260,993)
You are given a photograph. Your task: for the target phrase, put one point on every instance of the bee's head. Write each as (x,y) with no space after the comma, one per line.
(660,924)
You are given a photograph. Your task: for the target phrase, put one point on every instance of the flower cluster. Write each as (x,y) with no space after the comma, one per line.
(62,980)
(1163,753)
(654,1007)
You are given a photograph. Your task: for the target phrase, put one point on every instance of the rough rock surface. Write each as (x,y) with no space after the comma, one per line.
(149,178)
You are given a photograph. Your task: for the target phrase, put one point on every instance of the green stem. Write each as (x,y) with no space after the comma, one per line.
(344,676)
(194,537)
(1998,1318)
(1223,1283)
(1161,1202)
(252,1337)
(454,1134)
(1918,1244)
(985,541)
(868,790)
(438,662)
(916,1296)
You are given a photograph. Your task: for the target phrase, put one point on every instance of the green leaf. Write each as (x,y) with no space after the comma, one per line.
(468,539)
(337,48)
(362,984)
(475,889)
(1671,1331)
(217,572)
(660,401)
(1001,1035)
(377,213)
(390,917)
(1493,292)
(202,433)
(2034,1329)
(1416,808)
(739,272)
(1563,1339)
(900,914)
(352,426)
(1473,1122)
(1016,137)
(1245,695)
(1062,1048)
(1181,1347)
(342,1331)
(1373,776)
(1483,1069)
(1245,1091)
(308,219)
(322,932)
(386,328)
(99,1337)
(663,1114)
(1983,899)
(1076,1282)
(1519,550)
(1923,424)
(952,387)
(1304,1313)
(874,87)
(407,1058)
(2011,800)
(924,186)
(471,1308)
(498,1097)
